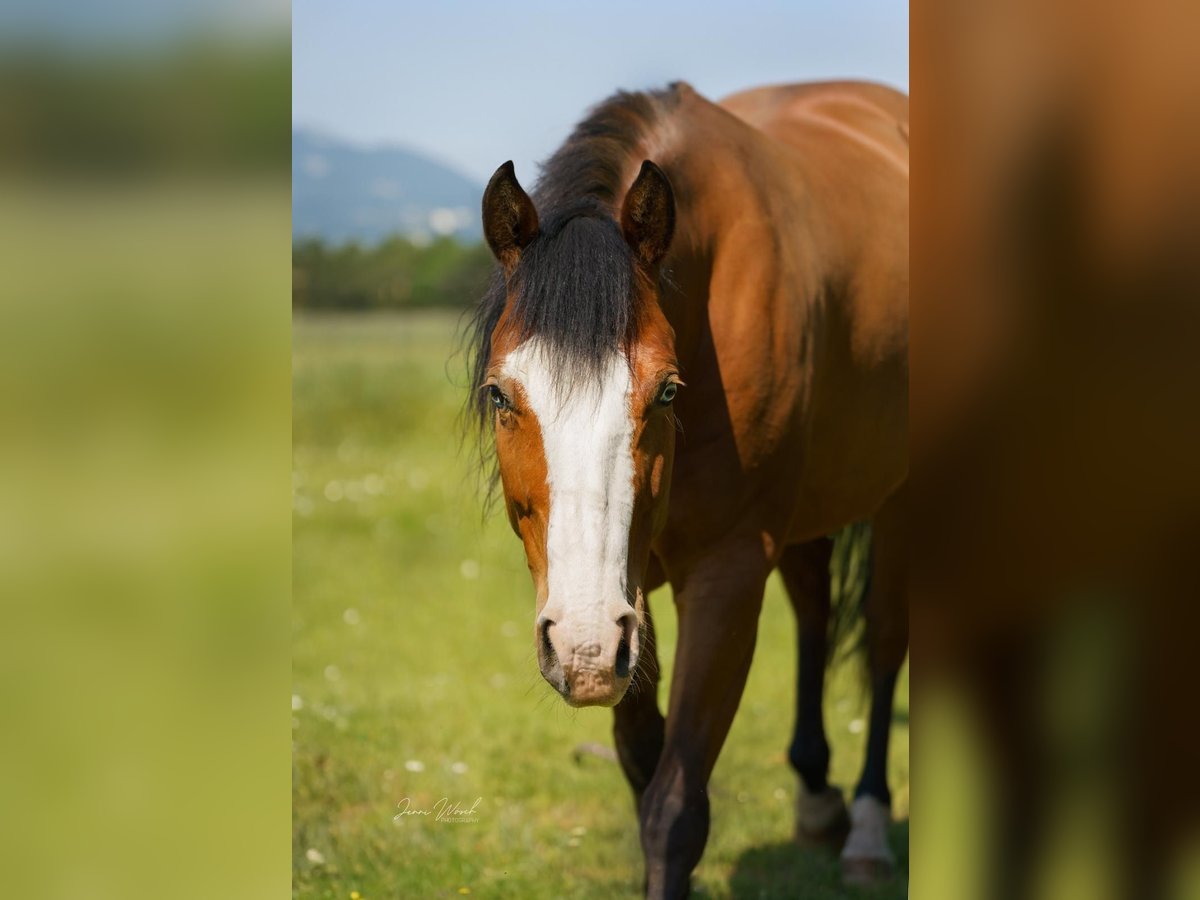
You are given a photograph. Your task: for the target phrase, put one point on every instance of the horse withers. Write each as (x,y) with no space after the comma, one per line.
(693,360)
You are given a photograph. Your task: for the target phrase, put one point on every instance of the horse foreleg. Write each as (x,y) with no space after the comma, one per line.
(718,602)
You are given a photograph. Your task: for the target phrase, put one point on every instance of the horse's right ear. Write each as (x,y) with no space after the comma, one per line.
(510,220)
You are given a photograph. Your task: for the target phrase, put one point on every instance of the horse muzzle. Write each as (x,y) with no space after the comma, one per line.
(590,663)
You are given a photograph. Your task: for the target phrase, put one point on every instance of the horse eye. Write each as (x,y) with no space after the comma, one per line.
(497,397)
(667,394)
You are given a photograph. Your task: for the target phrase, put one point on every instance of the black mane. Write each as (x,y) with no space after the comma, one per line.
(573,286)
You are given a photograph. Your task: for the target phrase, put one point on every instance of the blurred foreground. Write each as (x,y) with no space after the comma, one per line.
(1055,439)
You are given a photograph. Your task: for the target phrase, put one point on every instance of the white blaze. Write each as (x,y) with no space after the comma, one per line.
(587,436)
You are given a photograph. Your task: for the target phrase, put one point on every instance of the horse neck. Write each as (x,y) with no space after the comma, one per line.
(718,165)
(720,162)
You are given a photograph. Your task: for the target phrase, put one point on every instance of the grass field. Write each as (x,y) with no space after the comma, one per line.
(415,676)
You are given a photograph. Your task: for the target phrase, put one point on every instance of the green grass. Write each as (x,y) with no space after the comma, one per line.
(413,643)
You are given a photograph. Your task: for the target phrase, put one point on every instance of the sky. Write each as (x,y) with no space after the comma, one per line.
(473,83)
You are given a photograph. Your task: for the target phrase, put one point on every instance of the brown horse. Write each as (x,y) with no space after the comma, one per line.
(693,359)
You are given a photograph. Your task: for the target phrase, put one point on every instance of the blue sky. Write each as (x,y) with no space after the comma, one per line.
(474,83)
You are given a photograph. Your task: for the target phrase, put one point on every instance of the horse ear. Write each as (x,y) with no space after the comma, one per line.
(510,220)
(648,215)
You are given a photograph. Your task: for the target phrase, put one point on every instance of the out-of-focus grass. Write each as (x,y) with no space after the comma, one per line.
(144,396)
(144,402)
(415,676)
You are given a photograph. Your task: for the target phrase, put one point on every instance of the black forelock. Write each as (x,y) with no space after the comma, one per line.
(573,288)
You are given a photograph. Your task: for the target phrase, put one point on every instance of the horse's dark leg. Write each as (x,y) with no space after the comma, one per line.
(820,809)
(718,599)
(866,856)
(637,723)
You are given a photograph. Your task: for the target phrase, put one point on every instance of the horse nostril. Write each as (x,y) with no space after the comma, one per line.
(628,625)
(548,654)
(552,669)
(622,665)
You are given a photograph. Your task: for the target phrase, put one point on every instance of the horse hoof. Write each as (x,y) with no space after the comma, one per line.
(867,859)
(821,818)
(865,872)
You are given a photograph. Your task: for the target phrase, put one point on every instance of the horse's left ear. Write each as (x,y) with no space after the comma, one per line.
(648,215)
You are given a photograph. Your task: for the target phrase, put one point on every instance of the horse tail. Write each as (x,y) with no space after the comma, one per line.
(850,581)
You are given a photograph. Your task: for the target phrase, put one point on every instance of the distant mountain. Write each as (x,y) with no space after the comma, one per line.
(341,192)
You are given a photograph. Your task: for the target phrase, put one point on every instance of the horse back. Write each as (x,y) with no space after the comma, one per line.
(872,114)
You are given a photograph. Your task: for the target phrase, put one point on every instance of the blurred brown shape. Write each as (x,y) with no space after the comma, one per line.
(1056,391)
